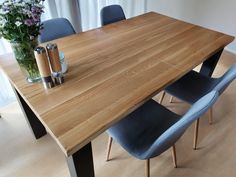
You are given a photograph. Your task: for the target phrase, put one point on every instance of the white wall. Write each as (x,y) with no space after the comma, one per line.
(218,15)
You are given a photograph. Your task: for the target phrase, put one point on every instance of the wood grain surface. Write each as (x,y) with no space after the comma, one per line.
(112,71)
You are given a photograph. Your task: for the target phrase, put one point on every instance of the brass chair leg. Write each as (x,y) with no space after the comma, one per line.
(174,156)
(171,99)
(110,140)
(147,168)
(210,118)
(195,139)
(162,97)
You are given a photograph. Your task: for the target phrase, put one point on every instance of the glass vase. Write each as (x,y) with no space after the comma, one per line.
(24,54)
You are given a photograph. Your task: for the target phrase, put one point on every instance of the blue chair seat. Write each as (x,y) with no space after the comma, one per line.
(192,86)
(139,130)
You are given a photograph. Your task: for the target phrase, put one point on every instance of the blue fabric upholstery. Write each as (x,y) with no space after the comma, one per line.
(55,28)
(152,128)
(194,85)
(112,14)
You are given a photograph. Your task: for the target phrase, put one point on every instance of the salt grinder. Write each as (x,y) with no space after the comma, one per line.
(43,65)
(54,58)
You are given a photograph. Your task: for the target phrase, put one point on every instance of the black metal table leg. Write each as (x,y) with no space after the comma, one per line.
(34,123)
(81,163)
(209,65)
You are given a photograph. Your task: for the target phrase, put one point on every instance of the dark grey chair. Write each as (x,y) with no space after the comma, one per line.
(194,85)
(55,28)
(152,129)
(111,14)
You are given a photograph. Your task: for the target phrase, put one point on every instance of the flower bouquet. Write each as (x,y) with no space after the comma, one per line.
(20,24)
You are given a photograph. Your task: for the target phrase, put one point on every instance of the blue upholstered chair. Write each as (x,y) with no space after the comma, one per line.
(111,14)
(55,28)
(152,129)
(194,85)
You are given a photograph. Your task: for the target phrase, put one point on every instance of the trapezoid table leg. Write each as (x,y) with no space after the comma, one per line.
(209,65)
(36,126)
(81,163)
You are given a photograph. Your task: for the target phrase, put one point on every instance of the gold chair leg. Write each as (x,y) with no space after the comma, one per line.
(174,156)
(162,97)
(110,140)
(195,139)
(210,118)
(147,168)
(171,99)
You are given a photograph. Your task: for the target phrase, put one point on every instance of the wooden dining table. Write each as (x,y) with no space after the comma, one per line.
(112,71)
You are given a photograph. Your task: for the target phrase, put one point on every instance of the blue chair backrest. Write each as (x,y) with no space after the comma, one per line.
(170,136)
(55,28)
(226,79)
(112,14)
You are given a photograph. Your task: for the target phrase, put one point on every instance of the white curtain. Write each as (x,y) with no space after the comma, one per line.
(6,92)
(64,8)
(90,10)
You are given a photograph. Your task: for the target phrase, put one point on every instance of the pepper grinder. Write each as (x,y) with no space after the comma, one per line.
(43,65)
(54,58)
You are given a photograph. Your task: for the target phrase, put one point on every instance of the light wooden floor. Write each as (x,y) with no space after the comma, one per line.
(22,156)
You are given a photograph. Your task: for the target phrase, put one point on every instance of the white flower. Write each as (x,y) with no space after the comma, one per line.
(3,22)
(18,23)
(8,3)
(26,11)
(39,6)
(3,12)
(28,1)
(20,4)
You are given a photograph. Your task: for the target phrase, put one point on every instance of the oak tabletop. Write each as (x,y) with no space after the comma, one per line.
(112,71)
